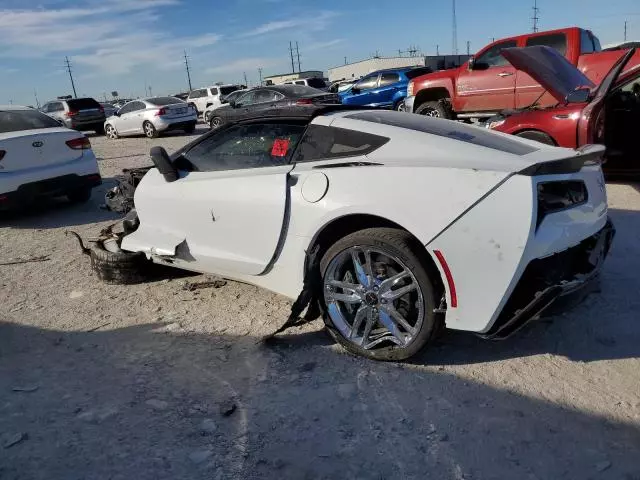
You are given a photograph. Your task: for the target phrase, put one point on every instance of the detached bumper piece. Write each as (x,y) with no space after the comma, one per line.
(51,187)
(547,281)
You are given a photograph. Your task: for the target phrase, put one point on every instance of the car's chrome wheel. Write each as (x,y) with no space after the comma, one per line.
(111,133)
(400,107)
(216,122)
(149,130)
(373,298)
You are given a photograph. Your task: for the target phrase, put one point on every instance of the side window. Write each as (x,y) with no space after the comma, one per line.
(45,108)
(138,106)
(214,91)
(555,40)
(246,99)
(367,82)
(321,143)
(245,146)
(128,107)
(389,79)
(56,107)
(493,56)
(586,43)
(265,96)
(300,82)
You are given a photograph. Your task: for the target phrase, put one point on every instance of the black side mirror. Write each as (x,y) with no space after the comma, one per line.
(355,90)
(161,160)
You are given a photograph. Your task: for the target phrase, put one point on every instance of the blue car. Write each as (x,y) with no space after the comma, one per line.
(384,88)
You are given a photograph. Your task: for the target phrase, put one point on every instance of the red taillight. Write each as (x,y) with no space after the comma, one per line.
(160,112)
(71,113)
(449,277)
(304,101)
(81,143)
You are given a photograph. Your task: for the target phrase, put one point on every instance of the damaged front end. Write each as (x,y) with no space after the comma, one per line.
(120,198)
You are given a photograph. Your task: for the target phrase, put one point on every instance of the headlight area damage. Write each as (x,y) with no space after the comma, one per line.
(120,198)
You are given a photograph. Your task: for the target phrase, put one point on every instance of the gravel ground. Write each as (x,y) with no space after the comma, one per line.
(156,382)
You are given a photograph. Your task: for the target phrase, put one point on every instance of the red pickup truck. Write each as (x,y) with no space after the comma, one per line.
(487,83)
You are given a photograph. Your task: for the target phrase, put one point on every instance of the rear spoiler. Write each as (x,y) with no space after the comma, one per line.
(587,155)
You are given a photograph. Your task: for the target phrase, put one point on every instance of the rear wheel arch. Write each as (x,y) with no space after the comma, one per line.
(432,95)
(340,227)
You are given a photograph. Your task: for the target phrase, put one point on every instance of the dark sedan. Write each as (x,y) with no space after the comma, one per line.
(262,100)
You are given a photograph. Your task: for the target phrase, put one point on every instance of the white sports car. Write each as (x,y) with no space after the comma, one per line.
(395,225)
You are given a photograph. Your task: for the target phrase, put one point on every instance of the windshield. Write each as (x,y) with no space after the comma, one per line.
(227,90)
(416,72)
(17,120)
(316,83)
(161,101)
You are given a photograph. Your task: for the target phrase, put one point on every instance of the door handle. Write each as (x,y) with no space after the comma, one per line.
(505,74)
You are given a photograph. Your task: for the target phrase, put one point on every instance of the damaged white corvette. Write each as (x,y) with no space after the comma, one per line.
(391,225)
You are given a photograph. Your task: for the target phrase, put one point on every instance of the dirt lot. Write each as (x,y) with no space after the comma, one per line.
(157,382)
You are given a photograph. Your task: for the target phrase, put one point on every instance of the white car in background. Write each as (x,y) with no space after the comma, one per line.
(202,98)
(392,225)
(233,96)
(39,159)
(151,117)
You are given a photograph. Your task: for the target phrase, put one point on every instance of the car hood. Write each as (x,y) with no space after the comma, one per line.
(549,68)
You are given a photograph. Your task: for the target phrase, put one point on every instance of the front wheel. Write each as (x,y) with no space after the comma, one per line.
(378,299)
(400,106)
(111,133)
(215,123)
(149,130)
(206,117)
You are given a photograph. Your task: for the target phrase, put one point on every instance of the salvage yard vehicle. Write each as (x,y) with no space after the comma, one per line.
(384,88)
(390,224)
(41,159)
(151,117)
(608,114)
(262,100)
(487,83)
(233,96)
(202,98)
(80,114)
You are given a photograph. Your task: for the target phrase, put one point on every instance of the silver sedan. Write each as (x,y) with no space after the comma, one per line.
(151,116)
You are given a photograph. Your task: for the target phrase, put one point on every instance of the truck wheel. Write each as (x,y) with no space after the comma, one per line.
(437,109)
(120,268)
(538,137)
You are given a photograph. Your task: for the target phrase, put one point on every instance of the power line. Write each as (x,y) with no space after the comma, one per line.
(455,31)
(186,64)
(68,64)
(535,17)
(298,54)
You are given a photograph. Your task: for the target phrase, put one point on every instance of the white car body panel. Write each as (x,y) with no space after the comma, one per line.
(464,200)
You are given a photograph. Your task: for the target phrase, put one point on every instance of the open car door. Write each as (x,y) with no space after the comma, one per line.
(226,211)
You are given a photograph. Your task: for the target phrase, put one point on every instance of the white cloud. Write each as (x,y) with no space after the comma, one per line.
(307,23)
(245,65)
(94,36)
(323,45)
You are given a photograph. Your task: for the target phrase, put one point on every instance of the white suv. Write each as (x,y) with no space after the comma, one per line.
(206,97)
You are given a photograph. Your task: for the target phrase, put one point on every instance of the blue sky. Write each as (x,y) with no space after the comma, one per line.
(124,45)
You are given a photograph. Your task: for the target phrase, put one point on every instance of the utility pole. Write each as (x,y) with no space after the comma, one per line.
(293,67)
(438,50)
(245,79)
(68,63)
(186,64)
(455,30)
(260,74)
(298,54)
(150,94)
(345,60)
(625,30)
(468,47)
(35,94)
(535,17)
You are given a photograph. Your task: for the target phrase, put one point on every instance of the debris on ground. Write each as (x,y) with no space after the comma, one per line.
(119,199)
(25,388)
(42,258)
(227,408)
(602,466)
(157,404)
(209,282)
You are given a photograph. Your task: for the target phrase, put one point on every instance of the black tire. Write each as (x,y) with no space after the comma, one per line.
(537,136)
(216,122)
(79,195)
(438,109)
(100,129)
(149,130)
(121,268)
(404,247)
(205,117)
(399,106)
